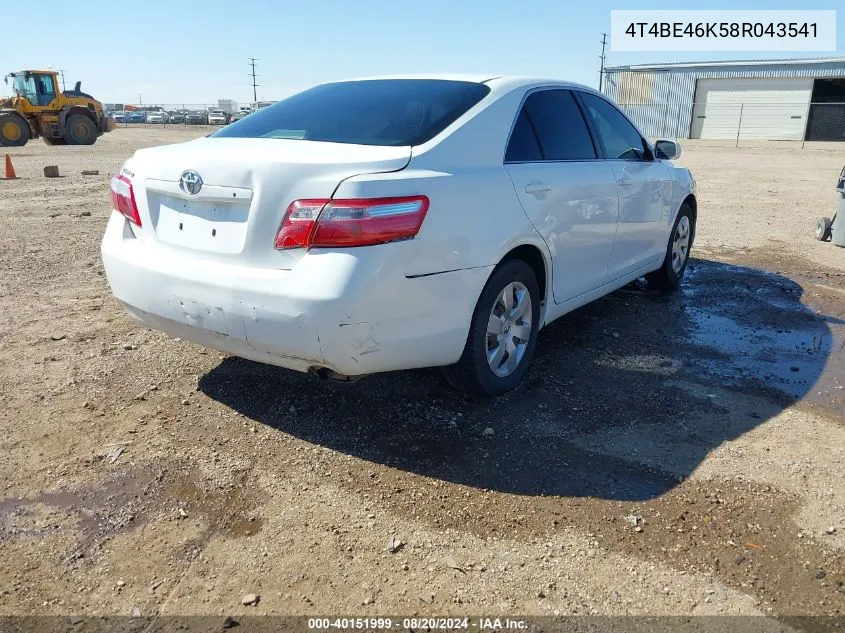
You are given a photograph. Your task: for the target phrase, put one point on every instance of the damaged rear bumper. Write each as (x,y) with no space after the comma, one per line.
(350,311)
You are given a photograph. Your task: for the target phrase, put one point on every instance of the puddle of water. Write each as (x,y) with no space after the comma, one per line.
(757,328)
(790,360)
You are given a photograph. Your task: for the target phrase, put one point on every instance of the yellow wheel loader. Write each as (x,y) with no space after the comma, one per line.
(38,108)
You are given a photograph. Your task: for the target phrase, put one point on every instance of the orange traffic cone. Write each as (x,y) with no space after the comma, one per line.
(10,171)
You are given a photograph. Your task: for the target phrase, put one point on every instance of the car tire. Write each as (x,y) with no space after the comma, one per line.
(80,130)
(668,277)
(485,348)
(823,226)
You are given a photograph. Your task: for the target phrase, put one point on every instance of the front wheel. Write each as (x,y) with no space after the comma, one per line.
(502,334)
(668,277)
(14,131)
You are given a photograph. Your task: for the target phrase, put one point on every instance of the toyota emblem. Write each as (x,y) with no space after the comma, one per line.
(190,182)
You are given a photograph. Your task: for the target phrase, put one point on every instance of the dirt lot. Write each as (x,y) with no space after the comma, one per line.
(679,455)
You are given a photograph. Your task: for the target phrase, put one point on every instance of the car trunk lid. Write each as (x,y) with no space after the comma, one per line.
(224,198)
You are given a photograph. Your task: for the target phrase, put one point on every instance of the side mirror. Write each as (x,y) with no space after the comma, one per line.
(667,150)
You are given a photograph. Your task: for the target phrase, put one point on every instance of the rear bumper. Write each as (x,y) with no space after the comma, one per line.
(352,311)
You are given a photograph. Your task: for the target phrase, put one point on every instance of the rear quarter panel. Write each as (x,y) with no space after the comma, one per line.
(473,219)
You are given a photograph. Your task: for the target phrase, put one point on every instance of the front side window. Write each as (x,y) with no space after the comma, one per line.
(618,138)
(25,87)
(392,112)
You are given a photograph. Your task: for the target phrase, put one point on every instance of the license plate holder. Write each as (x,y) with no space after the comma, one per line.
(207,226)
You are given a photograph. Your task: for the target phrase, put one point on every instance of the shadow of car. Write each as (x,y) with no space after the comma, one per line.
(610,372)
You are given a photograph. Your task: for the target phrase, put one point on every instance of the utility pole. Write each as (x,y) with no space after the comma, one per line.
(61,71)
(252,61)
(140,102)
(601,70)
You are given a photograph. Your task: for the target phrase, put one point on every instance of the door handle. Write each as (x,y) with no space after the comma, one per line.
(536,187)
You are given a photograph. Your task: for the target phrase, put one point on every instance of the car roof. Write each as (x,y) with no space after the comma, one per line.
(498,83)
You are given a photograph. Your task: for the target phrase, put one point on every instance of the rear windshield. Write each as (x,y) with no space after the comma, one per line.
(374,112)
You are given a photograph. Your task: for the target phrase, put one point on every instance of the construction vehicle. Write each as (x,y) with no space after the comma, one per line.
(38,108)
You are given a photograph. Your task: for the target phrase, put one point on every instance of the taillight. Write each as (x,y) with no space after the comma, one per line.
(298,223)
(123,198)
(356,222)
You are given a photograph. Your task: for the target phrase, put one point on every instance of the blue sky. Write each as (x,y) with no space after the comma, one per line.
(196,51)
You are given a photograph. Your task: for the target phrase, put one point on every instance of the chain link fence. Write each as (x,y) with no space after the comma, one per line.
(740,123)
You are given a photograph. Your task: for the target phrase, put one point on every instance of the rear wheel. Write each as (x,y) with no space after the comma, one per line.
(80,130)
(14,131)
(668,277)
(502,334)
(823,229)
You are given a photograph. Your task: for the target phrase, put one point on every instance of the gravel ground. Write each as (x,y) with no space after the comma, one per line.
(678,455)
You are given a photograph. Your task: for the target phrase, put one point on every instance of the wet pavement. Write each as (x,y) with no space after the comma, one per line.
(753,328)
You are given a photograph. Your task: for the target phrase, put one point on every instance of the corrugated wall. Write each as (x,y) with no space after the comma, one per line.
(660,101)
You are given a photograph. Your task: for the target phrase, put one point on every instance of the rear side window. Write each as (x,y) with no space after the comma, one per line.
(550,127)
(392,112)
(523,146)
(560,127)
(619,139)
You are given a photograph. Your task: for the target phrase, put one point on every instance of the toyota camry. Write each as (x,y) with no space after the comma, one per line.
(383,224)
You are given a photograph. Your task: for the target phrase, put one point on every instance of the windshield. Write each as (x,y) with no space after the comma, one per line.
(393,112)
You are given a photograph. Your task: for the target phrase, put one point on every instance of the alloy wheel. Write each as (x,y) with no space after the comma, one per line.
(680,244)
(509,329)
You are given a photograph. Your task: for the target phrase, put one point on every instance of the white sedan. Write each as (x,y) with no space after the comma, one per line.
(384,224)
(156,116)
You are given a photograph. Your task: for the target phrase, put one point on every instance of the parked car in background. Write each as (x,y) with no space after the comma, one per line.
(119,116)
(218,117)
(196,117)
(472,213)
(136,116)
(177,116)
(156,116)
(237,116)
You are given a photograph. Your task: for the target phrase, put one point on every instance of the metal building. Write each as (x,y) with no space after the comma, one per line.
(786,99)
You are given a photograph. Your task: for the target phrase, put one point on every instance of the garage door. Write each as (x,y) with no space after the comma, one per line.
(759,108)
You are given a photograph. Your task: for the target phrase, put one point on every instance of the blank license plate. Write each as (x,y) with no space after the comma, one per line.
(207,226)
